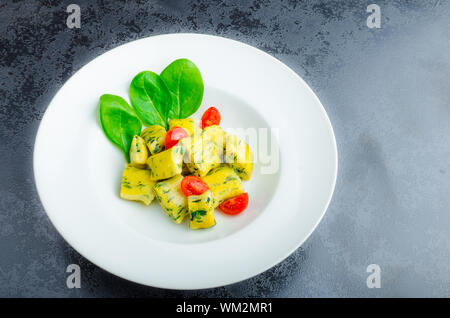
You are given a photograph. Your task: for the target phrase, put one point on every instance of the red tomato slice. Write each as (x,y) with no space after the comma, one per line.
(235,205)
(191,185)
(210,117)
(173,136)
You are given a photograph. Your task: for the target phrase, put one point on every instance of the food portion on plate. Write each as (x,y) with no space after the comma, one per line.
(191,168)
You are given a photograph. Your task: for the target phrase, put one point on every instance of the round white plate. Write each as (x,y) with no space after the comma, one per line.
(78,171)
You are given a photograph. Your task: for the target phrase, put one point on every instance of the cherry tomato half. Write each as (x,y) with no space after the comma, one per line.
(191,185)
(210,117)
(235,205)
(173,136)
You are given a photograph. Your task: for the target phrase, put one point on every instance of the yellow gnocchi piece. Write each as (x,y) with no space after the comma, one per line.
(166,164)
(216,134)
(202,154)
(239,156)
(154,137)
(188,124)
(201,210)
(224,183)
(171,199)
(137,185)
(138,152)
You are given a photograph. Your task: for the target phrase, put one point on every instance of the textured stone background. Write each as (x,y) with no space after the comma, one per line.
(386,92)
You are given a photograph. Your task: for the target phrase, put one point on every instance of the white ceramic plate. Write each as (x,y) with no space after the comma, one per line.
(78,171)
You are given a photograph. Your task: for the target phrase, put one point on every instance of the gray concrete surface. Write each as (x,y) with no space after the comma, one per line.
(387,94)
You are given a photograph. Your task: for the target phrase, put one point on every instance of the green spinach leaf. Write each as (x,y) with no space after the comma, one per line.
(183,79)
(119,121)
(150,98)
